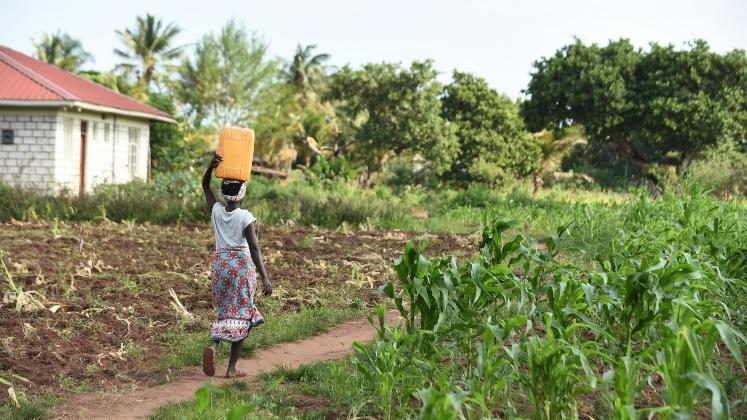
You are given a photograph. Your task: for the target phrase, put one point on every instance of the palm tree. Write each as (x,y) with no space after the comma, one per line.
(110,79)
(554,149)
(307,71)
(148,46)
(61,50)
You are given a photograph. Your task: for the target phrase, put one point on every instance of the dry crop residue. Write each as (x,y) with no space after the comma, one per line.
(105,292)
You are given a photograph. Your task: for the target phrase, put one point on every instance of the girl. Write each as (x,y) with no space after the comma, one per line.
(233,275)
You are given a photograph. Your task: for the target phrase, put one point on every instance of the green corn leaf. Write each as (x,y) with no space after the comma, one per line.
(718,400)
(401,266)
(202,398)
(585,366)
(608,376)
(658,266)
(388,290)
(422,364)
(422,263)
(239,412)
(730,337)
(512,324)
(684,273)
(359,347)
(421,291)
(500,270)
(439,322)
(493,331)
(596,329)
(589,293)
(693,344)
(475,276)
(687,305)
(625,411)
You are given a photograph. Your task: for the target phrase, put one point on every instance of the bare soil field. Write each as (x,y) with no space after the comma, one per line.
(98,305)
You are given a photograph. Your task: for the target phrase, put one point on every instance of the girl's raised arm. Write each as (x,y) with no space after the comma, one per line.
(209,195)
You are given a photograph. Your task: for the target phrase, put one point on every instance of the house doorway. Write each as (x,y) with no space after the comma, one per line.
(83,148)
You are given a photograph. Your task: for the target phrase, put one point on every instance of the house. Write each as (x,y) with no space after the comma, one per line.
(62,132)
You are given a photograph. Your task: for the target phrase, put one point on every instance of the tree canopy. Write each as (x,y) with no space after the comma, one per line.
(493,141)
(639,111)
(664,105)
(61,50)
(306,70)
(228,73)
(146,48)
(395,110)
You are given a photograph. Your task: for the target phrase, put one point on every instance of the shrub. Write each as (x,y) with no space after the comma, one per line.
(178,198)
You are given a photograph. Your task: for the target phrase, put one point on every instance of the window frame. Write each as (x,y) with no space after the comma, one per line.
(68,133)
(107,134)
(8,137)
(133,151)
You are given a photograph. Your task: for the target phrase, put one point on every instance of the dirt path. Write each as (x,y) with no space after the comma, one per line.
(334,344)
(109,281)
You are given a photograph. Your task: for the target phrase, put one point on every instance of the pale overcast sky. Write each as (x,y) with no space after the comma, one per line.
(497,40)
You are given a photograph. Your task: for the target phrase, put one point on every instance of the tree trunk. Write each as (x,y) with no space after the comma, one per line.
(148,76)
(684,162)
(626,149)
(640,161)
(655,191)
(537,182)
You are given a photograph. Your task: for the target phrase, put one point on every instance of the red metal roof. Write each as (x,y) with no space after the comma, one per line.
(23,78)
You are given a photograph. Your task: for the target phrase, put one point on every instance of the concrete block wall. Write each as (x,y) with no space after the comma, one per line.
(44,155)
(30,160)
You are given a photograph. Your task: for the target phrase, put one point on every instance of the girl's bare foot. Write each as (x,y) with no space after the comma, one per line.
(209,361)
(235,373)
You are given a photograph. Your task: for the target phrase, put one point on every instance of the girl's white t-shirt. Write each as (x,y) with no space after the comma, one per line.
(229,226)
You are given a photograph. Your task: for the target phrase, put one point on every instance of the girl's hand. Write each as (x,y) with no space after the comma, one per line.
(266,288)
(217,159)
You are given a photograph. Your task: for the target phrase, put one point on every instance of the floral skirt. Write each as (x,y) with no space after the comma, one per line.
(233,283)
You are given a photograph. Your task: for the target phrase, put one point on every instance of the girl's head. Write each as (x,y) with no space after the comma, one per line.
(232,190)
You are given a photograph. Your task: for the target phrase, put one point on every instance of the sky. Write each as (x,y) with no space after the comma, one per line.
(497,40)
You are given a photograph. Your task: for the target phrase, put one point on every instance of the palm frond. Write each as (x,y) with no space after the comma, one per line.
(149,46)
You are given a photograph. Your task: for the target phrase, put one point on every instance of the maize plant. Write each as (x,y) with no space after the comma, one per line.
(643,299)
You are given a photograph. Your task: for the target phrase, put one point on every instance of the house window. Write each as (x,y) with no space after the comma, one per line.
(134,146)
(7,136)
(94,131)
(68,138)
(107,128)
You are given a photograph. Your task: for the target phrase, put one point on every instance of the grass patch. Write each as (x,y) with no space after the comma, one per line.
(185,348)
(35,408)
(319,390)
(134,350)
(219,402)
(331,204)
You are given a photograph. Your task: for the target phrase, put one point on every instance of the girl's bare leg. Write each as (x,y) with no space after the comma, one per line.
(235,353)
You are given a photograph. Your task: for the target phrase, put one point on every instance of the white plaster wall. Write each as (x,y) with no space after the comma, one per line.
(30,160)
(99,154)
(67,153)
(121,135)
(107,159)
